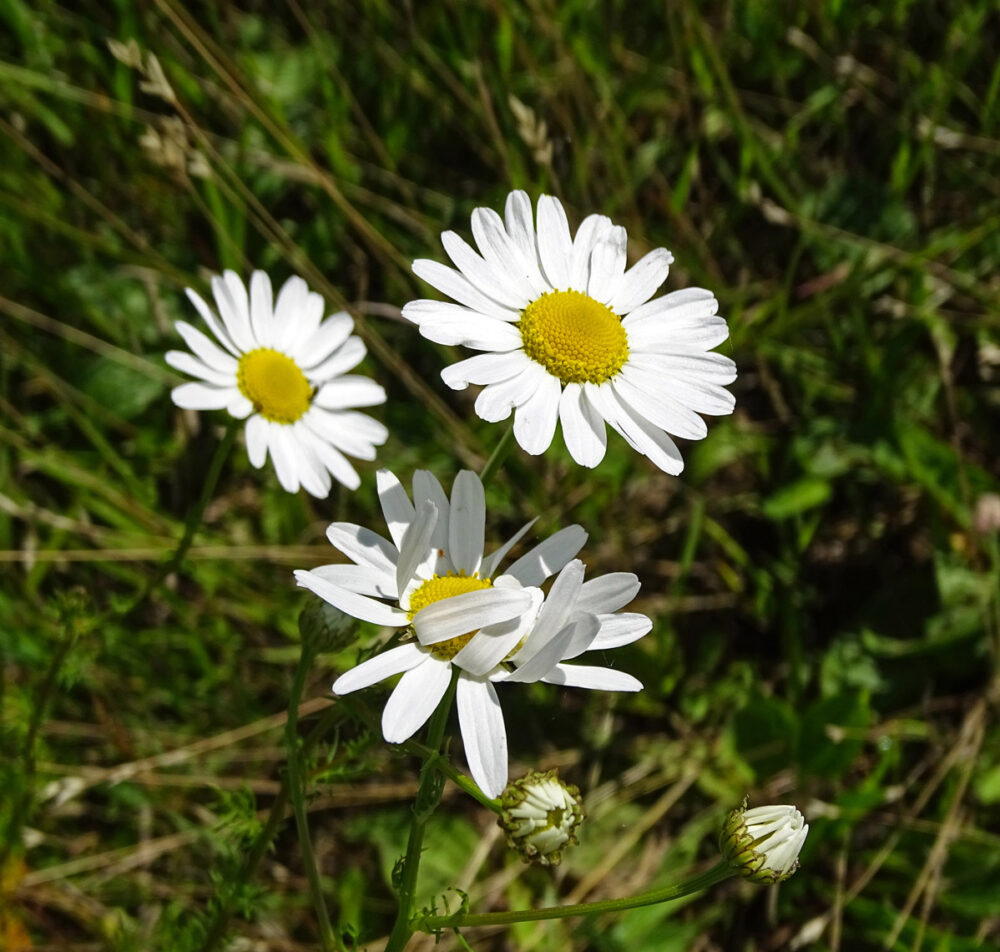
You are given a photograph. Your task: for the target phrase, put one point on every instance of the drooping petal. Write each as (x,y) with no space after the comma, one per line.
(415,542)
(490,645)
(483,733)
(621,628)
(608,593)
(416,696)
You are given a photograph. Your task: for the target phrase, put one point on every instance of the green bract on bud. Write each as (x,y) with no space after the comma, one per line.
(763,844)
(540,816)
(325,628)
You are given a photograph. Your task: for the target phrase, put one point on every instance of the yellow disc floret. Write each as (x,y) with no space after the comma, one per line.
(274,384)
(574,337)
(446,586)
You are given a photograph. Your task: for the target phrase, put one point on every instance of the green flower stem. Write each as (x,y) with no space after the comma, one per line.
(219,926)
(428,797)
(717,874)
(194,517)
(296,793)
(498,455)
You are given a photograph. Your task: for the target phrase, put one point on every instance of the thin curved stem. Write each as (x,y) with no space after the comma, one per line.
(296,794)
(428,797)
(717,874)
(498,456)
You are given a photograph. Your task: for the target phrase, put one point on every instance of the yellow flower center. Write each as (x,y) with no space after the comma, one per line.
(574,337)
(274,385)
(446,586)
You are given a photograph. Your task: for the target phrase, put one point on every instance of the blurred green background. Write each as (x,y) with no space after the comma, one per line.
(824,576)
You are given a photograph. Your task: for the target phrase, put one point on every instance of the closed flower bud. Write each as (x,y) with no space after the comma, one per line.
(763,844)
(325,628)
(540,816)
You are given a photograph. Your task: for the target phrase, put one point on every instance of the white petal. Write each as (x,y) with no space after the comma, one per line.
(484,369)
(284,457)
(555,247)
(330,335)
(535,419)
(520,226)
(261,308)
(702,368)
(458,287)
(351,391)
(494,642)
(620,628)
(608,593)
(560,603)
(415,544)
(336,464)
(468,612)
(685,307)
(231,300)
(345,358)
(426,487)
(313,474)
(640,434)
(492,282)
(221,335)
(607,265)
(493,560)
(655,336)
(467,522)
(640,282)
(416,696)
(548,557)
(483,733)
(189,364)
(201,396)
(360,579)
(591,230)
(496,401)
(206,350)
(298,313)
(663,412)
(353,433)
(363,546)
(256,437)
(582,427)
(396,505)
(239,407)
(357,606)
(446,323)
(580,632)
(505,256)
(595,678)
(382,666)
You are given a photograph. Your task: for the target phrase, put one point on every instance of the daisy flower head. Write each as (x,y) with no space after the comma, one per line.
(432,576)
(569,335)
(283,368)
(469,617)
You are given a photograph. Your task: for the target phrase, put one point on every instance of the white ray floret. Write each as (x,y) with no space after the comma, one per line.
(284,369)
(569,335)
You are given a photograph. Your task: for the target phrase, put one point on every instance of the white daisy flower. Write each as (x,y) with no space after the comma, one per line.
(283,369)
(467,616)
(570,335)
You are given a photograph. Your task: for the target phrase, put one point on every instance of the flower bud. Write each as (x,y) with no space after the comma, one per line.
(763,844)
(325,628)
(540,816)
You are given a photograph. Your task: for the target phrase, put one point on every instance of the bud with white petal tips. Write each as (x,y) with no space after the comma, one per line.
(763,844)
(540,816)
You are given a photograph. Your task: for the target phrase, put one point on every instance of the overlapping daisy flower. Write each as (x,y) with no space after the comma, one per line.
(570,335)
(466,615)
(283,369)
